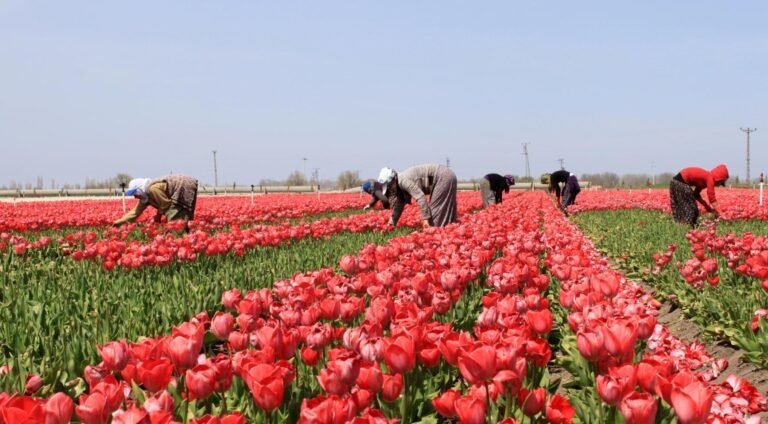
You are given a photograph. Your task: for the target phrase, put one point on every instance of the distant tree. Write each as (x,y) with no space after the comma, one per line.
(635,180)
(664,178)
(296,179)
(525,179)
(348,179)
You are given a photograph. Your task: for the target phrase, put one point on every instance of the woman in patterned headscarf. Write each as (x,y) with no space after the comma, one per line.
(416,182)
(685,190)
(174,196)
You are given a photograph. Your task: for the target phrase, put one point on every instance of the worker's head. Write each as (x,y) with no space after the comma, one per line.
(138,189)
(719,174)
(368,187)
(510,179)
(386,176)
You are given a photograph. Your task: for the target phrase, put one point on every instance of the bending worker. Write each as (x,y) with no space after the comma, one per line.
(416,182)
(174,196)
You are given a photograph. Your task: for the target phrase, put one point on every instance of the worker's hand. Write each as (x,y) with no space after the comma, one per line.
(366,207)
(425,223)
(116,224)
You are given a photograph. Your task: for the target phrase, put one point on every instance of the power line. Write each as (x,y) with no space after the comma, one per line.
(215,173)
(527,164)
(748,131)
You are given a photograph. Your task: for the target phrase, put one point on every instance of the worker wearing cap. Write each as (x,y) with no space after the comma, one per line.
(376,190)
(174,196)
(492,186)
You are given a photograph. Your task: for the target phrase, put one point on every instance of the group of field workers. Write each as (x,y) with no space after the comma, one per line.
(175,196)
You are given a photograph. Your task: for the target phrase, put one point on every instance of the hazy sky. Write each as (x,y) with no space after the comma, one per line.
(90,89)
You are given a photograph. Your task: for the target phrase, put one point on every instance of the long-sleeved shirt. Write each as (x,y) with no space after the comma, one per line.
(174,190)
(157,198)
(700,179)
(378,195)
(556,178)
(498,184)
(415,182)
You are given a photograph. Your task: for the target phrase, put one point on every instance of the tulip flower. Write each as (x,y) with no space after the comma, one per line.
(470,410)
(639,408)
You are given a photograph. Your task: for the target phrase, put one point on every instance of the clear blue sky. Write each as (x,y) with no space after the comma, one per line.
(89,89)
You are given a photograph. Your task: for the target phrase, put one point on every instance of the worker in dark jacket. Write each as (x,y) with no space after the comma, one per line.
(376,190)
(174,196)
(570,191)
(685,190)
(491,187)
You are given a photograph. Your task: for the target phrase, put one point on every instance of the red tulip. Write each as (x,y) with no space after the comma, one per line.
(540,321)
(332,383)
(310,356)
(532,401)
(183,352)
(445,403)
(618,383)
(363,399)
(478,365)
(559,410)
(22,410)
(33,384)
(691,402)
(115,355)
(590,345)
(58,409)
(400,355)
(230,299)
(326,410)
(200,382)
(132,416)
(391,387)
(267,387)
(370,377)
(639,408)
(93,409)
(222,324)
(470,410)
(160,402)
(155,375)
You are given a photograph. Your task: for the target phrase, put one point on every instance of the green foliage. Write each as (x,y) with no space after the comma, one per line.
(53,313)
(631,237)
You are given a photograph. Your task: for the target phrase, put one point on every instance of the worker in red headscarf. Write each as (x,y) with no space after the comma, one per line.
(685,190)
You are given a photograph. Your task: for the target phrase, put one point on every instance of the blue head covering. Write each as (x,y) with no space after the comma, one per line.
(367,186)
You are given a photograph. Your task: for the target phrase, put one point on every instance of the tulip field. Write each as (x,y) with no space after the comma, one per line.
(287,308)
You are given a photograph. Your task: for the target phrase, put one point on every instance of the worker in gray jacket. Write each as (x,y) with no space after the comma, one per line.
(416,182)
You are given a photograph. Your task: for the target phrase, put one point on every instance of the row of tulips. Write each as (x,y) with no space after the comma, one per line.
(611,318)
(385,341)
(713,279)
(504,362)
(212,212)
(734,203)
(280,321)
(116,248)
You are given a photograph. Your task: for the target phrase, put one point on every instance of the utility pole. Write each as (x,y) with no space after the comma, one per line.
(215,173)
(561,160)
(748,131)
(527,164)
(653,173)
(305,167)
(448,162)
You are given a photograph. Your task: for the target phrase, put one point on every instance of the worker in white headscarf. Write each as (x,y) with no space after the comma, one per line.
(174,196)
(416,182)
